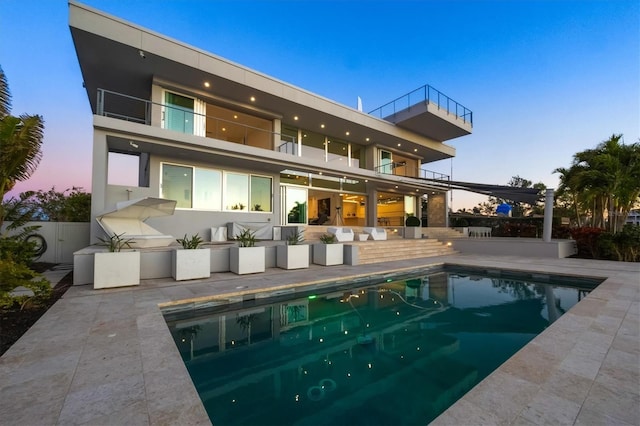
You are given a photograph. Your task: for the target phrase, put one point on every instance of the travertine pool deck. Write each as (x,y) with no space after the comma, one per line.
(106,356)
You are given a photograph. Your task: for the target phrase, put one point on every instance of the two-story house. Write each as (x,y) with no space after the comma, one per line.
(230,144)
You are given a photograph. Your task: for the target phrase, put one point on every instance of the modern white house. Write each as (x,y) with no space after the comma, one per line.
(633,218)
(232,145)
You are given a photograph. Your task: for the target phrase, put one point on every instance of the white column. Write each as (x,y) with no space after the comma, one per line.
(548,215)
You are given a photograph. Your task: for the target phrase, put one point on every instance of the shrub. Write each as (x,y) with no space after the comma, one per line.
(246,238)
(412,221)
(587,241)
(328,239)
(14,274)
(190,243)
(16,249)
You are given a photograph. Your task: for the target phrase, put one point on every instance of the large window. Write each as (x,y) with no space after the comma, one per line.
(236,190)
(177,184)
(207,192)
(260,194)
(205,189)
(178,114)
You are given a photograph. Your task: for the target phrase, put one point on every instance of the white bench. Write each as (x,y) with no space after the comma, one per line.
(479,231)
(342,234)
(377,234)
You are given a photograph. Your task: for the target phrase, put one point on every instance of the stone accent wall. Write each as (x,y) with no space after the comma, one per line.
(437,209)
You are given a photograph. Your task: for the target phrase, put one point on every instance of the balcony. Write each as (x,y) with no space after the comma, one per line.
(428,111)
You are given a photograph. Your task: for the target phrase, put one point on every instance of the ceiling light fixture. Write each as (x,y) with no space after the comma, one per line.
(253,99)
(295,117)
(322,126)
(207,84)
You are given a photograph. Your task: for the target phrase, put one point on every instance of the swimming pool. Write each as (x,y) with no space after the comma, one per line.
(387,349)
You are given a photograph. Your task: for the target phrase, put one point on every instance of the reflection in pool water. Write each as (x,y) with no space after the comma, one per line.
(399,350)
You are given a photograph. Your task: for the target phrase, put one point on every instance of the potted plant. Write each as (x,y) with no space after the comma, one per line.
(193,261)
(117,267)
(293,254)
(412,229)
(329,251)
(246,258)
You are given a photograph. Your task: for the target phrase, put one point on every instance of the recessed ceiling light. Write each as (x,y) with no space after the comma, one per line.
(322,126)
(347,133)
(396,186)
(366,180)
(295,117)
(253,99)
(399,144)
(224,129)
(235,116)
(415,149)
(207,84)
(366,139)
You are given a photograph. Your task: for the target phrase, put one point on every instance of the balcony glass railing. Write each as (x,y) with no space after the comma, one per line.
(130,108)
(401,169)
(425,94)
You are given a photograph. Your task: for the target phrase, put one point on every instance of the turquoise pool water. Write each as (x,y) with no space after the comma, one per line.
(387,350)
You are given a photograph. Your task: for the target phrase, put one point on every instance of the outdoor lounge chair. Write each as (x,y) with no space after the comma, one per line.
(342,234)
(377,234)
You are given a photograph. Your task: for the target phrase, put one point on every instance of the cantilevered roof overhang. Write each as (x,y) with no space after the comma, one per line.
(119,56)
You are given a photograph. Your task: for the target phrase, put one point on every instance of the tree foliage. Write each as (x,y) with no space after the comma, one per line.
(20,143)
(603,184)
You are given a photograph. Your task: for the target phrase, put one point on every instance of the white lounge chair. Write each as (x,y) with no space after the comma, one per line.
(342,234)
(377,234)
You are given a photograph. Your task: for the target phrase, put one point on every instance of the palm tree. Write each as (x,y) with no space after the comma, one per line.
(605,181)
(20,143)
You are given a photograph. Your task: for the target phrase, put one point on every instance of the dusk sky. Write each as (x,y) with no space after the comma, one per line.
(544,79)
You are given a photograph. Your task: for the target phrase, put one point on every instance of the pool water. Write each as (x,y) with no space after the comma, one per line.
(396,350)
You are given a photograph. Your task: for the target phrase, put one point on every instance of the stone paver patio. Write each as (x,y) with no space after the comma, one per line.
(107,357)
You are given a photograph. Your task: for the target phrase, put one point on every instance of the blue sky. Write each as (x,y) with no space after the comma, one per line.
(544,79)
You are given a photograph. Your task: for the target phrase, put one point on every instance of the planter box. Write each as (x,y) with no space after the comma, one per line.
(191,264)
(412,232)
(116,269)
(328,254)
(292,257)
(246,260)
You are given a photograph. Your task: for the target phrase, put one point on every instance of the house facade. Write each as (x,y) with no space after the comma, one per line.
(230,144)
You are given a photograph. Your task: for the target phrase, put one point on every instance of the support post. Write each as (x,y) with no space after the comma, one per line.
(548,215)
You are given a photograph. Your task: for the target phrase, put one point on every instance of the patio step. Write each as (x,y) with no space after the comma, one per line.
(442,233)
(399,249)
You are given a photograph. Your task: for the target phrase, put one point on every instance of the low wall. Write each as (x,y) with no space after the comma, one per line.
(62,239)
(528,247)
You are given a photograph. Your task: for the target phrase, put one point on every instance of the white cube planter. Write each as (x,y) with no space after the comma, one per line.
(412,232)
(116,269)
(328,254)
(246,260)
(191,264)
(292,256)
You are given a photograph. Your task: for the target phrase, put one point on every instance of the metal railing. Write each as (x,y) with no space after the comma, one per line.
(133,109)
(401,169)
(425,94)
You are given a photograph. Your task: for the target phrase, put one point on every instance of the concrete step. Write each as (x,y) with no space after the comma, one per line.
(442,233)
(397,249)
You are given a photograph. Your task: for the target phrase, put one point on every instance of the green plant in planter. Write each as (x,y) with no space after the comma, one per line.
(246,238)
(295,238)
(328,239)
(190,243)
(115,243)
(412,221)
